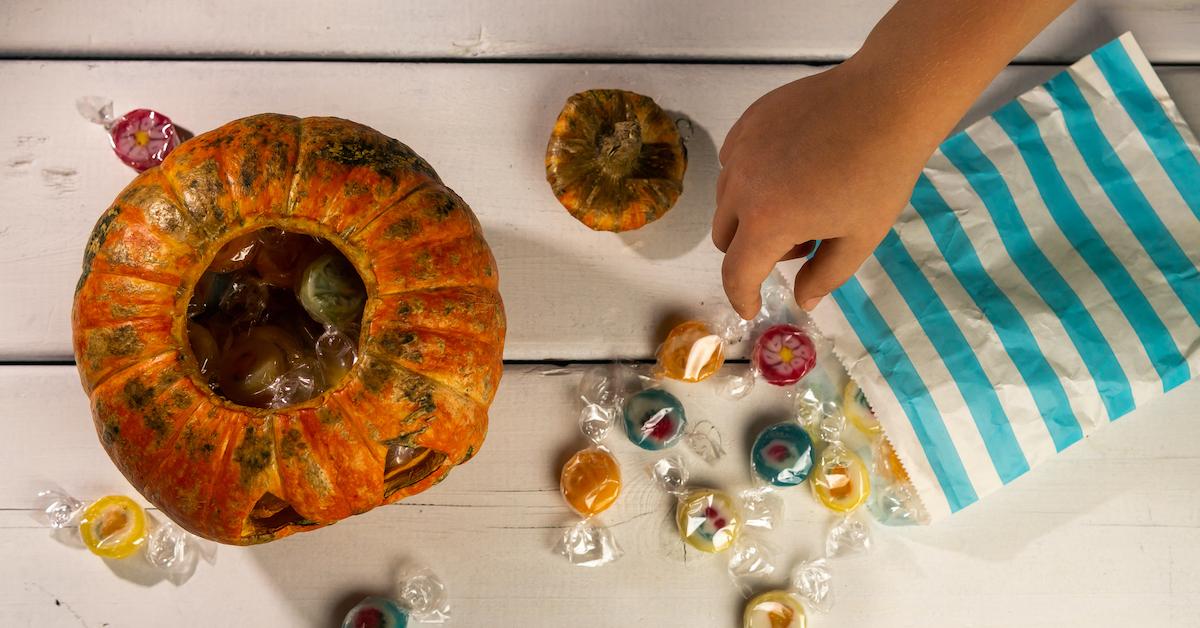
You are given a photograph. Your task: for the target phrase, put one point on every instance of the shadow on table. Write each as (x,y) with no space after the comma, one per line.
(960,533)
(689,223)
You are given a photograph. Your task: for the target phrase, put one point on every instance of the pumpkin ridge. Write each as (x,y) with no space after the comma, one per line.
(166,169)
(446,286)
(379,339)
(215,481)
(124,368)
(439,240)
(314,434)
(378,355)
(358,229)
(441,331)
(106,267)
(170,444)
(351,419)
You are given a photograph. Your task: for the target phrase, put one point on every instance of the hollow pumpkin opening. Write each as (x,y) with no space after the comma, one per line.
(274,320)
(408,465)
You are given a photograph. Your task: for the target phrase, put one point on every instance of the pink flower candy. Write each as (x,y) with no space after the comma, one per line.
(784,354)
(143,137)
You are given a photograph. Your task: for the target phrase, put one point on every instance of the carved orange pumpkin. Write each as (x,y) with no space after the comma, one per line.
(430,346)
(615,160)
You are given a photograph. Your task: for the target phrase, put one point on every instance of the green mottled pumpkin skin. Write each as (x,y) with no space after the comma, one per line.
(615,160)
(430,349)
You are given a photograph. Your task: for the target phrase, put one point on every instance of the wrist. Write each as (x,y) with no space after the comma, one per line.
(891,105)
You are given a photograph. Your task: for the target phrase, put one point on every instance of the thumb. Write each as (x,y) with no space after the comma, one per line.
(834,262)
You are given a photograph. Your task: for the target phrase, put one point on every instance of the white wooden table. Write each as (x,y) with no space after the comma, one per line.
(1107,535)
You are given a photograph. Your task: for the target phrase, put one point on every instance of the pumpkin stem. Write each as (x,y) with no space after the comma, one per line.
(619,149)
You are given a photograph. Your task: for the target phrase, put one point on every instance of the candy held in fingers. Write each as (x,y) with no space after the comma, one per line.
(654,419)
(840,479)
(854,405)
(774,609)
(376,612)
(708,520)
(590,481)
(113,526)
(691,352)
(784,354)
(783,455)
(142,138)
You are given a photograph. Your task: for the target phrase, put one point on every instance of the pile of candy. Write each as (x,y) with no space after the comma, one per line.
(116,527)
(275,319)
(833,442)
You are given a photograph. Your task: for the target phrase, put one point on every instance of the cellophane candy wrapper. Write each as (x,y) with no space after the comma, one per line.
(1041,282)
(782,350)
(712,521)
(118,528)
(590,480)
(653,418)
(811,587)
(141,138)
(420,596)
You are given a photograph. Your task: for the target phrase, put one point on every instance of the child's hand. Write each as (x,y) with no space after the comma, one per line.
(821,158)
(833,157)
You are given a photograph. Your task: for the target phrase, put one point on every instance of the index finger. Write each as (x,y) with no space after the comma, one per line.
(749,260)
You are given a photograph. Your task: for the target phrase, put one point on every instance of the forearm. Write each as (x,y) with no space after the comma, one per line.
(928,60)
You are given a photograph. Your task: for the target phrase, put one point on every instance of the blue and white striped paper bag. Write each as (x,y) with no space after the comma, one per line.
(1041,282)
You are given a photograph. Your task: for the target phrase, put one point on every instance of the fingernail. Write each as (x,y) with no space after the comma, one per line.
(810,304)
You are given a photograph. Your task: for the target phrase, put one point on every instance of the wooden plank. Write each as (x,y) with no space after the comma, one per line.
(1108,535)
(570,293)
(542,29)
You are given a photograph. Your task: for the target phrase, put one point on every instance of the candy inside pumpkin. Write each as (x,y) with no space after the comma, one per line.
(404,402)
(615,160)
(276,318)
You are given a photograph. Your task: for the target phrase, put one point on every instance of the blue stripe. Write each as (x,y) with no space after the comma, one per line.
(959,357)
(1092,346)
(1087,241)
(893,363)
(1012,330)
(1131,204)
(1147,114)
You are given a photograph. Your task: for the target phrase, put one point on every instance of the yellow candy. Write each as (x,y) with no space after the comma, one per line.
(590,481)
(854,404)
(691,352)
(113,526)
(840,480)
(774,609)
(708,520)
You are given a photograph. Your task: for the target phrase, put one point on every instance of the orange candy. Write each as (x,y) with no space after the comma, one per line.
(840,479)
(691,352)
(590,481)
